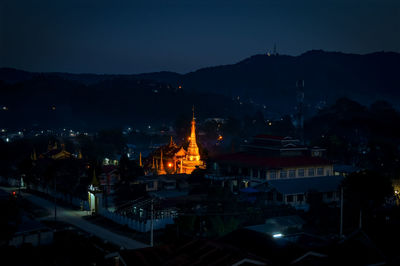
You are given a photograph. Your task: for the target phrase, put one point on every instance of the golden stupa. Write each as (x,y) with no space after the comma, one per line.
(192,159)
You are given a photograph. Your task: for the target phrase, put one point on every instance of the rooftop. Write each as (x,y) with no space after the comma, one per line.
(303,185)
(249,159)
(263,136)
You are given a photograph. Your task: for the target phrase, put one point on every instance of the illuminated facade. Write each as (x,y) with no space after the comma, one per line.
(171,159)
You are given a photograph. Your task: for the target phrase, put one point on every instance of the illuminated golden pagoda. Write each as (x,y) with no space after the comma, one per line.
(173,159)
(192,158)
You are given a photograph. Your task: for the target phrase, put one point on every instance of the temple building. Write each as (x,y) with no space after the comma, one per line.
(174,159)
(55,153)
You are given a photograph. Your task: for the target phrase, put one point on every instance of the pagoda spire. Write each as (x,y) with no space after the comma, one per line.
(193,149)
(172,143)
(162,170)
(140,159)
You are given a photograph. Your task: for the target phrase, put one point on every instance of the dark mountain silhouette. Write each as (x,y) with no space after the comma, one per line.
(260,79)
(328,76)
(50,101)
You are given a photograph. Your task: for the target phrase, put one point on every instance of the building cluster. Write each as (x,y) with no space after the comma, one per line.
(280,167)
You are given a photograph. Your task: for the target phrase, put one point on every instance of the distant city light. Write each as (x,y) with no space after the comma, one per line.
(7,140)
(5,108)
(270,124)
(278,235)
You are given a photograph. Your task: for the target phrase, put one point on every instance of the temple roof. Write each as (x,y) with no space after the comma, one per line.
(181,152)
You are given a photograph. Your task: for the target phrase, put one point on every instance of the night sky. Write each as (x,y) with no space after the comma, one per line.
(121,36)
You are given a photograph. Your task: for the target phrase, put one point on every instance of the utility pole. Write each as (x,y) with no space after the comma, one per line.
(341,213)
(151,223)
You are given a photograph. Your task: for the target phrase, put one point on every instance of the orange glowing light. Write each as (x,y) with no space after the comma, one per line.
(220,137)
(170,165)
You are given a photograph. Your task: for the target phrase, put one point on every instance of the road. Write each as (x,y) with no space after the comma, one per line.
(75,218)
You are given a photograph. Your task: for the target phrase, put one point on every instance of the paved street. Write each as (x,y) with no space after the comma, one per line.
(74,217)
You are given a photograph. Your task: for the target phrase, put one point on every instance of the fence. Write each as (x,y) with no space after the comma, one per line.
(141,226)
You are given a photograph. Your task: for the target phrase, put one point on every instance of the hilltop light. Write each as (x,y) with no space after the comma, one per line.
(277,235)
